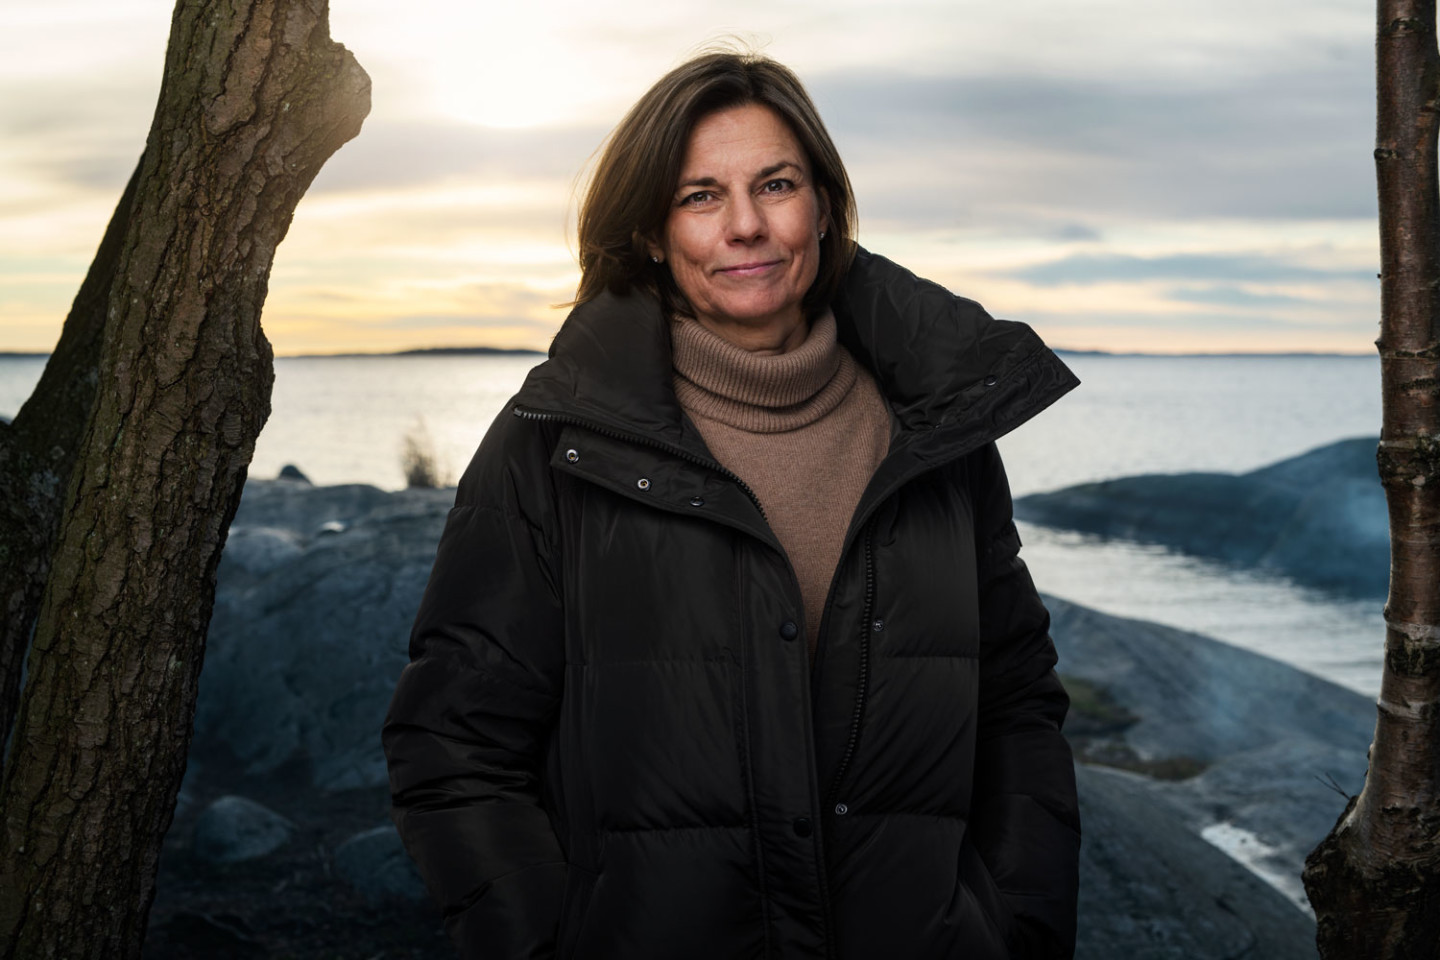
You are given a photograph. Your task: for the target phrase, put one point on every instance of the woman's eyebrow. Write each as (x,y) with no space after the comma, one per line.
(774,168)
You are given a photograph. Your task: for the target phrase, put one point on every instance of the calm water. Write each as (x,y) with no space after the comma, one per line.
(344,421)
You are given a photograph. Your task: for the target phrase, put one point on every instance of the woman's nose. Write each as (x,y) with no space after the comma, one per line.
(747,220)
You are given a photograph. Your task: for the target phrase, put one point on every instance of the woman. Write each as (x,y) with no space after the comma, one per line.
(728,651)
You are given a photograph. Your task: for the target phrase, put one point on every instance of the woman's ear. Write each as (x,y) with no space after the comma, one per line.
(824,226)
(656,252)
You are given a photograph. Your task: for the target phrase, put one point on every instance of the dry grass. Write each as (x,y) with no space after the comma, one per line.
(419,461)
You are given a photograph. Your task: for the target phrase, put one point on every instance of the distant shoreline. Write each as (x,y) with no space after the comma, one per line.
(423,352)
(1219,355)
(526,352)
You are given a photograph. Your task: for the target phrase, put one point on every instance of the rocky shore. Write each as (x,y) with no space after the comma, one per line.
(1319,518)
(281,844)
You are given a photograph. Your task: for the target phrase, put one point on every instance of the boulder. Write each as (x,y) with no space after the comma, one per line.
(1319,518)
(255,551)
(315,596)
(292,472)
(375,864)
(233,829)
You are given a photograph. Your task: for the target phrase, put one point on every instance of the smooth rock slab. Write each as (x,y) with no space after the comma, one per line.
(1150,889)
(1271,737)
(1198,696)
(1319,518)
(234,829)
(375,863)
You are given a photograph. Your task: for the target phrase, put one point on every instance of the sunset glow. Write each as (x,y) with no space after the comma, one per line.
(1201,188)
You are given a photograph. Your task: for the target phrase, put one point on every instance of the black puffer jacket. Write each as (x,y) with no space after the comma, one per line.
(609,742)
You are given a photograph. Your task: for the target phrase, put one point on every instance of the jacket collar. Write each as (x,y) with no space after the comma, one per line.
(953,375)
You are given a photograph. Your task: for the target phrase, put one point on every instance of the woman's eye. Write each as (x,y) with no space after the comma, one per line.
(699,196)
(778,186)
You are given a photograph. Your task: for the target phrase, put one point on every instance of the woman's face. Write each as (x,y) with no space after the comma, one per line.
(743,234)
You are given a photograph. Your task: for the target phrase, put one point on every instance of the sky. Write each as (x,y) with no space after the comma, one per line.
(1127,175)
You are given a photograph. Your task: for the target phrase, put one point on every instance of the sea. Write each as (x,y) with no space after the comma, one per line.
(346,420)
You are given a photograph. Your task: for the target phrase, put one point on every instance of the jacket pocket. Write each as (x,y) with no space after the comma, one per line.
(972,877)
(579,883)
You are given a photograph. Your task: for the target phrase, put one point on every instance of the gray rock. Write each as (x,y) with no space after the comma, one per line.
(1280,795)
(233,829)
(1271,738)
(1151,889)
(1318,518)
(292,472)
(310,632)
(1198,696)
(303,509)
(255,551)
(376,865)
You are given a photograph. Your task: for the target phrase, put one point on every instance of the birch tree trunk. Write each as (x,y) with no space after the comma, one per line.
(255,98)
(1375,880)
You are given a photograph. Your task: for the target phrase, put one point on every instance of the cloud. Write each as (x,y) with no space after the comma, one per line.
(68,132)
(1224,330)
(979,137)
(81,138)
(470,322)
(392,154)
(952,149)
(935,150)
(1232,296)
(1076,232)
(1086,269)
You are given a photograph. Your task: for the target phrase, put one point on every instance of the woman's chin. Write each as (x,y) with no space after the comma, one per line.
(757,315)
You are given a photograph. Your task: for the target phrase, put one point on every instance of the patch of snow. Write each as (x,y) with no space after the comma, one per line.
(1253,853)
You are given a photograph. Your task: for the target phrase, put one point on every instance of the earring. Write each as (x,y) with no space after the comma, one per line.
(822,234)
(654,259)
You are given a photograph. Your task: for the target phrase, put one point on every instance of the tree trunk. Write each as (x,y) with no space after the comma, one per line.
(37,451)
(1375,880)
(255,98)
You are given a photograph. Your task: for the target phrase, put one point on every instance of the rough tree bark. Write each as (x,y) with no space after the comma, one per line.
(37,451)
(255,98)
(1375,880)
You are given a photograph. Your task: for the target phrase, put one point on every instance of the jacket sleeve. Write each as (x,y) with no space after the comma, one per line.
(1025,817)
(467,728)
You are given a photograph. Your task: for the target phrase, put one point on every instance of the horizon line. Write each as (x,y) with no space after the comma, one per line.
(461,351)
(526,351)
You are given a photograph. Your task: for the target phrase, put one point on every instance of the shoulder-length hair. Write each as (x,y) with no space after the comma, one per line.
(630,191)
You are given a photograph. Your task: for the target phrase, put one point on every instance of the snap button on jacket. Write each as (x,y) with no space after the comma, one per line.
(604,746)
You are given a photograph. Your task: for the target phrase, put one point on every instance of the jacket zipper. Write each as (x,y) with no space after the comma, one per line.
(863,682)
(541,415)
(647,442)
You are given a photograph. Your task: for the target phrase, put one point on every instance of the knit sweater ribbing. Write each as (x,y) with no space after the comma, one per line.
(804,429)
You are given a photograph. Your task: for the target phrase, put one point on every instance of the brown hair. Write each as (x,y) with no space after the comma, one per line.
(630,191)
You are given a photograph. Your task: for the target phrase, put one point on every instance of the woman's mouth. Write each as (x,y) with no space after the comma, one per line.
(752,269)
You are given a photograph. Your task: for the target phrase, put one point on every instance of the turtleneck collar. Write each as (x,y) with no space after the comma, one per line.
(953,376)
(760,393)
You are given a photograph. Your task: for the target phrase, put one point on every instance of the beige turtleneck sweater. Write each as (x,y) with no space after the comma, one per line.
(804,429)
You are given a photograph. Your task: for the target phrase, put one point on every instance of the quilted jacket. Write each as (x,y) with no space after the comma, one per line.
(610,742)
